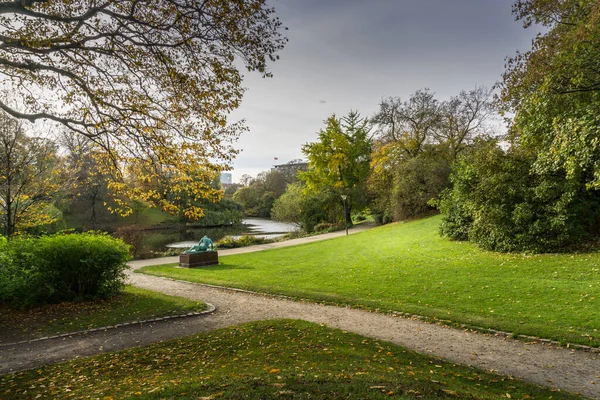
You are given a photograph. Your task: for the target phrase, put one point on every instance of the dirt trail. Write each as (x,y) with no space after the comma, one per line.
(569,370)
(565,369)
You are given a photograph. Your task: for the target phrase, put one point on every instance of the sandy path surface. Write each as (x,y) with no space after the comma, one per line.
(569,370)
(565,369)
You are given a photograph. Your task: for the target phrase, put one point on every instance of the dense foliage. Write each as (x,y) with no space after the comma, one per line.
(258,197)
(150,83)
(416,142)
(225,212)
(309,210)
(497,202)
(288,208)
(338,163)
(543,193)
(61,267)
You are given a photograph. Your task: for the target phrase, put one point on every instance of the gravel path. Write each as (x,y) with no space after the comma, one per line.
(565,369)
(570,370)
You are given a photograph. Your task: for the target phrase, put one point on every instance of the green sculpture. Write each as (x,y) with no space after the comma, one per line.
(204,245)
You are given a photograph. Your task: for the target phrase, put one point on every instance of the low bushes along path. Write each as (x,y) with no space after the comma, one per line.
(562,368)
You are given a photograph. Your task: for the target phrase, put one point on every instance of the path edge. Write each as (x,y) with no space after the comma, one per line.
(210,309)
(456,325)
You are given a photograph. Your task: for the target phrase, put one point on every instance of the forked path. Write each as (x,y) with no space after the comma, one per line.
(565,369)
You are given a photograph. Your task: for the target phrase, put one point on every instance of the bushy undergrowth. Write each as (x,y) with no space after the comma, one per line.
(501,202)
(325,227)
(61,268)
(229,242)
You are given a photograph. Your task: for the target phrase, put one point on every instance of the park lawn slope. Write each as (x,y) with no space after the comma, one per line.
(409,268)
(133,304)
(267,360)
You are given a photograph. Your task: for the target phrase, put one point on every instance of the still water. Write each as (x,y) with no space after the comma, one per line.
(151,243)
(264,228)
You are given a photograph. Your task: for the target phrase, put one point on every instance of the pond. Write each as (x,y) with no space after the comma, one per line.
(154,242)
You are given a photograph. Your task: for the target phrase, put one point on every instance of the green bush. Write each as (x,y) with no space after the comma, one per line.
(62,268)
(229,242)
(416,182)
(325,227)
(309,209)
(360,216)
(500,202)
(287,208)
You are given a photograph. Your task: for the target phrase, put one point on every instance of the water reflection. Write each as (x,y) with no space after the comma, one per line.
(186,238)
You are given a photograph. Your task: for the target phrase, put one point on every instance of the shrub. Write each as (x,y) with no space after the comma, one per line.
(325,227)
(499,201)
(62,268)
(287,207)
(360,216)
(416,182)
(229,242)
(402,186)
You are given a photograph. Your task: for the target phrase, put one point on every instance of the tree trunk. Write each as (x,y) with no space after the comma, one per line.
(349,215)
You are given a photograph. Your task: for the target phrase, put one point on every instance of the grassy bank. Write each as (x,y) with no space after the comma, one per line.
(273,359)
(133,304)
(409,268)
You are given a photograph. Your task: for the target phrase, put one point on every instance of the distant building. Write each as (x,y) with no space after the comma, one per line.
(226,178)
(290,170)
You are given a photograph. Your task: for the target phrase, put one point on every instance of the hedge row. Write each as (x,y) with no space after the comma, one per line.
(63,267)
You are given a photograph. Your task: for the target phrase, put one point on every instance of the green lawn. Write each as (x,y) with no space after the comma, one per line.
(409,268)
(133,304)
(267,360)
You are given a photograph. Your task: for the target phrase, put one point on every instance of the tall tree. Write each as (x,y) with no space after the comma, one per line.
(542,193)
(412,123)
(340,159)
(28,177)
(554,88)
(463,118)
(86,190)
(144,80)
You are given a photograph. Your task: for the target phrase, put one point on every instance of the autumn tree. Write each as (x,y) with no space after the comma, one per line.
(339,160)
(28,177)
(86,190)
(148,82)
(416,143)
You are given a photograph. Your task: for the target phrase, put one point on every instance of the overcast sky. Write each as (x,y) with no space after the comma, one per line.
(347,55)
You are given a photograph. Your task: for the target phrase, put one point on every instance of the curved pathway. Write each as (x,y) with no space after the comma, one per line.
(570,370)
(565,369)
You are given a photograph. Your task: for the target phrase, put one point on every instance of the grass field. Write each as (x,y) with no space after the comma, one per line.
(133,304)
(409,268)
(267,360)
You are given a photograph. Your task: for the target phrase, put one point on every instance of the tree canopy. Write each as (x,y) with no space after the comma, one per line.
(149,82)
(554,88)
(29,177)
(340,159)
(541,194)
